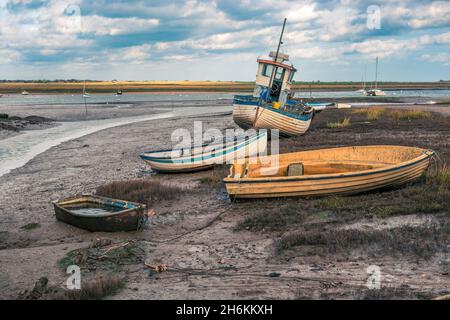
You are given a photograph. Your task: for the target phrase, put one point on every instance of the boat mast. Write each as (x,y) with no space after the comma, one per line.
(276,55)
(273,72)
(365,76)
(376,73)
(84,97)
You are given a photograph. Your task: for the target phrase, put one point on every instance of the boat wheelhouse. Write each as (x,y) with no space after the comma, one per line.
(271,106)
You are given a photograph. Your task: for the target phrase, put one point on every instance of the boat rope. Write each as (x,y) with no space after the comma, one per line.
(208,224)
(258,116)
(215,272)
(437,161)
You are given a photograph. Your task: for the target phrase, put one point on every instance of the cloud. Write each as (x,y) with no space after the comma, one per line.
(383,48)
(115,26)
(442,57)
(144,33)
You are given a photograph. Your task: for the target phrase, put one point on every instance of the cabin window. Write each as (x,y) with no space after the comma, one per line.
(279,74)
(291,76)
(267,70)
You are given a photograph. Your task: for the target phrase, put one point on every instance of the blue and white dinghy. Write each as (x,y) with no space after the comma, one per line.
(196,158)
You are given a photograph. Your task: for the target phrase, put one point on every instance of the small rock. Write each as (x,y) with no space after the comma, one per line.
(274,274)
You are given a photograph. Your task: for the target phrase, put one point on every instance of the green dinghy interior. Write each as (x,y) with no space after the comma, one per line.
(95,213)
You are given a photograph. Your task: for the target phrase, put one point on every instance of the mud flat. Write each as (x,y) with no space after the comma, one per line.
(217,249)
(13,125)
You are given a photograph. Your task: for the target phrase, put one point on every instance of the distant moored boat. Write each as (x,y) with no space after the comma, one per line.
(375,91)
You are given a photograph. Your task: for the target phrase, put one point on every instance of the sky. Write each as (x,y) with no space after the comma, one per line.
(221,39)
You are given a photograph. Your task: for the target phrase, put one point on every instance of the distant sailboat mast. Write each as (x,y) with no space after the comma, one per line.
(376,73)
(85,95)
(375,91)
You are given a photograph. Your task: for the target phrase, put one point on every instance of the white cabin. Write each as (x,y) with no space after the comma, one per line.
(274,78)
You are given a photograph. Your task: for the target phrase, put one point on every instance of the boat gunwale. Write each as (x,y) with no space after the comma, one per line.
(92,199)
(304,117)
(351,182)
(426,154)
(329,191)
(232,147)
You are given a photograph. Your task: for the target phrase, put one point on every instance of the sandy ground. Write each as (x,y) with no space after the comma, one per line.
(218,261)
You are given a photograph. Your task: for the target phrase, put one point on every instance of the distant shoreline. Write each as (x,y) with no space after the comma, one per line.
(197,86)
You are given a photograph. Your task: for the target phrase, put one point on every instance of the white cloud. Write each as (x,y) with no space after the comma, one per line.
(135,54)
(383,48)
(198,30)
(10,56)
(115,26)
(437,57)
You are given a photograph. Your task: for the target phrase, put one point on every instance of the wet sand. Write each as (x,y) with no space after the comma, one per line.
(218,261)
(98,111)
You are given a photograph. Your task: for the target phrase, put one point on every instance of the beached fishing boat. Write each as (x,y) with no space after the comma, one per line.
(346,170)
(271,106)
(203,157)
(101,214)
(25,93)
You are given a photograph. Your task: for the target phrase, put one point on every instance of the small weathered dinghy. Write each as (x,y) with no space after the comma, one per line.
(206,156)
(347,170)
(101,214)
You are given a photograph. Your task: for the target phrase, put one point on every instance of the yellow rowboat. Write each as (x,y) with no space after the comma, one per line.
(206,156)
(346,170)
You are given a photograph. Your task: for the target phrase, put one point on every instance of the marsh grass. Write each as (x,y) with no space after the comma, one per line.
(141,191)
(215,176)
(93,289)
(30,226)
(372,114)
(410,115)
(422,242)
(440,178)
(340,124)
(104,255)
